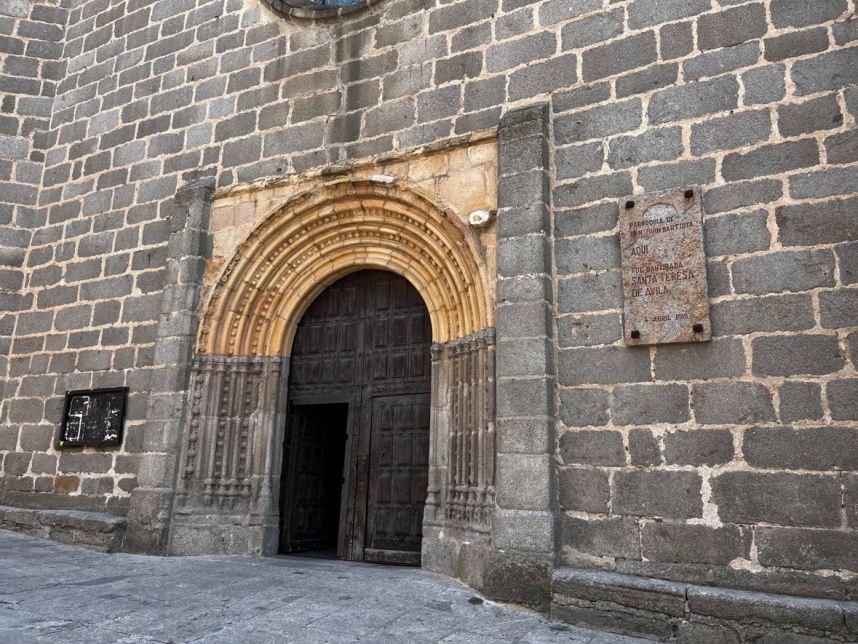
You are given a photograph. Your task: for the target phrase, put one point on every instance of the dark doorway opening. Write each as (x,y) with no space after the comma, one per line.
(312,489)
(363,349)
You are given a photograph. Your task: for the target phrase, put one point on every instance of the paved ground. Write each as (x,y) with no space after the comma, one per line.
(55,593)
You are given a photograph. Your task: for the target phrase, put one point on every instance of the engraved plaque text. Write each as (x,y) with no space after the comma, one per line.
(664,269)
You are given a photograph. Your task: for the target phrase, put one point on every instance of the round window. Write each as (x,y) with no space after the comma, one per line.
(317,8)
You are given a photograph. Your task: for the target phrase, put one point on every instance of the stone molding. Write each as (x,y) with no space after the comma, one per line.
(322,235)
(676,611)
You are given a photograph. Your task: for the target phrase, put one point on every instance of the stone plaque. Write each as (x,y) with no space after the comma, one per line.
(93,417)
(664,269)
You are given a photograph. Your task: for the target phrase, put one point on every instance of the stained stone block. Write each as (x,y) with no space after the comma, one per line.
(597,447)
(781,499)
(657,494)
(524,530)
(807,549)
(584,490)
(790,13)
(525,435)
(588,330)
(779,313)
(713,63)
(580,407)
(522,481)
(643,448)
(698,447)
(691,543)
(800,401)
(646,404)
(807,354)
(790,271)
(603,537)
(843,399)
(721,403)
(698,99)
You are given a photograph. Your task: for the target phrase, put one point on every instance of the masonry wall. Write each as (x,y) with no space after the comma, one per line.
(31,65)
(742,446)
(732,461)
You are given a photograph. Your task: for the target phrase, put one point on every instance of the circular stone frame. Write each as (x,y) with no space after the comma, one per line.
(307,9)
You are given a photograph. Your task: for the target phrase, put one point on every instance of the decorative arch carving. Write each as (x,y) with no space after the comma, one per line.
(229,481)
(328,232)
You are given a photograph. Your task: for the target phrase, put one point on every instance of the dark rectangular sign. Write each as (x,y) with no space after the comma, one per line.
(93,418)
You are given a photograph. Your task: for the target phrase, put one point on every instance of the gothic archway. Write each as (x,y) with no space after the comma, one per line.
(232,454)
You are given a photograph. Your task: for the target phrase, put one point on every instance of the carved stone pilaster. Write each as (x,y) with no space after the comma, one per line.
(461,498)
(230,469)
(468,364)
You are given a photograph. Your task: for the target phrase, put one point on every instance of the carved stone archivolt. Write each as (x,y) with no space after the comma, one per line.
(322,235)
(229,479)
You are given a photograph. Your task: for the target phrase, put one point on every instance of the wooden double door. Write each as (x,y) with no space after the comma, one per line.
(356,451)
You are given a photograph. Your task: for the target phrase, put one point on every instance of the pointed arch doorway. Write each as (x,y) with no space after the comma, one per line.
(356,448)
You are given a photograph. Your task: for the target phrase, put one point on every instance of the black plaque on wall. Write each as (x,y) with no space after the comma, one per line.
(93,418)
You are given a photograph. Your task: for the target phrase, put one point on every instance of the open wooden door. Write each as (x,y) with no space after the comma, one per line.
(398,471)
(364,340)
(314,481)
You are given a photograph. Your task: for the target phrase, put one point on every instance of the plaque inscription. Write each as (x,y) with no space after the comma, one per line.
(93,417)
(664,269)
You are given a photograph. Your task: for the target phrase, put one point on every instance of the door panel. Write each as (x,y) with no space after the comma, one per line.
(366,339)
(315,477)
(397,477)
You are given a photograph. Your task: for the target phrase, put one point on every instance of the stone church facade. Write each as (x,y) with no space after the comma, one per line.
(192,190)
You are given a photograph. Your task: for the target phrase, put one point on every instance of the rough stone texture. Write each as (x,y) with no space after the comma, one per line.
(675,611)
(108,108)
(782,499)
(522,573)
(762,106)
(94,530)
(242,599)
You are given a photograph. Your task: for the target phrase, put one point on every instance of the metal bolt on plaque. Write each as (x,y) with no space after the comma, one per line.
(664,269)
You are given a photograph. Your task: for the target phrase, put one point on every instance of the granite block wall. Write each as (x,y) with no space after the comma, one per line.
(730,461)
(31,66)
(743,446)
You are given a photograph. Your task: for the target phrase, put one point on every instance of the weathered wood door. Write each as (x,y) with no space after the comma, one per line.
(364,343)
(314,476)
(398,472)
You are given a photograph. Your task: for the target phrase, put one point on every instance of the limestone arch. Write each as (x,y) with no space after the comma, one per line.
(323,234)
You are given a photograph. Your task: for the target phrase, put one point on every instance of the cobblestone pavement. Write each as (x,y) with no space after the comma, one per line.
(55,593)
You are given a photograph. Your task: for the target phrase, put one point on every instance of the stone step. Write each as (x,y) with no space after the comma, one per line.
(95,530)
(681,612)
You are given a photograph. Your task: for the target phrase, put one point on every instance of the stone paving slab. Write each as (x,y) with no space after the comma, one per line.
(51,592)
